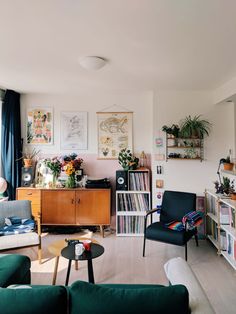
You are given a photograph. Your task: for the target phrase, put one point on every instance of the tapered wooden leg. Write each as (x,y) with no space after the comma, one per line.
(55,270)
(76,265)
(102,230)
(40,254)
(186,252)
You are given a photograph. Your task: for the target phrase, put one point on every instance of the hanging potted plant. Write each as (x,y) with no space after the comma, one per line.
(194,127)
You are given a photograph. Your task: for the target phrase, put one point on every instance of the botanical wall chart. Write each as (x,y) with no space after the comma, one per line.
(39,125)
(114,133)
(74,130)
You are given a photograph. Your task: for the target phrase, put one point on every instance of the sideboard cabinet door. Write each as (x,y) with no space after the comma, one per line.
(58,207)
(93,207)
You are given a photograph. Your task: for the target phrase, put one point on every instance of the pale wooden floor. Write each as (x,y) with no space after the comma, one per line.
(122,262)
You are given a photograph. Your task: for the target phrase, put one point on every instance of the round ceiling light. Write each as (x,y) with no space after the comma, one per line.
(92,63)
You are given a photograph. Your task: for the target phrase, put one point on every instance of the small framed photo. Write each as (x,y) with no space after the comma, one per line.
(160,184)
(159,169)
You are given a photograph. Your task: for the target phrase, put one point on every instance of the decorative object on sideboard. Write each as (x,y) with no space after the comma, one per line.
(54,164)
(127,160)
(71,164)
(143,159)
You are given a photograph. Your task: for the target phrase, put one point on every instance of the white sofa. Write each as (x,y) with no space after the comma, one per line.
(179,272)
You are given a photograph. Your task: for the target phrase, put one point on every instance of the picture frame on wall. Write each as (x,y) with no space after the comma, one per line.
(74,130)
(39,125)
(115,132)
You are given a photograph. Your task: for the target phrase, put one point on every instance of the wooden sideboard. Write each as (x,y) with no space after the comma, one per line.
(69,207)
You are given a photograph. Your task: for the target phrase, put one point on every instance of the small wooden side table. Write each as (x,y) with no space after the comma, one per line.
(55,249)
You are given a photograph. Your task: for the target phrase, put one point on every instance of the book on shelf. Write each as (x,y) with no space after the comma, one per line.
(223,240)
(230,245)
(224,214)
(232,217)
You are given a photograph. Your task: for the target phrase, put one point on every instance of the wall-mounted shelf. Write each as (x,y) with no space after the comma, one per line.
(184,148)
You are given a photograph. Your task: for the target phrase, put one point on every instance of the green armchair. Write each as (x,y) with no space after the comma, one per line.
(174,206)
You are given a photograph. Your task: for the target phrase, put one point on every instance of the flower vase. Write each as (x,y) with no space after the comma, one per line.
(70,183)
(54,181)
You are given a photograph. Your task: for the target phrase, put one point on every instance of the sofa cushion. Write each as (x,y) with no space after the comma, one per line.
(14,269)
(179,272)
(41,299)
(18,240)
(86,298)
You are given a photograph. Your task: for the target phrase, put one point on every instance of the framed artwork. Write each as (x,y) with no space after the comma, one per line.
(114,133)
(74,130)
(40,126)
(160,184)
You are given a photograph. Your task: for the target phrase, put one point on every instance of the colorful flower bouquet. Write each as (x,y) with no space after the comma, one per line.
(54,164)
(71,164)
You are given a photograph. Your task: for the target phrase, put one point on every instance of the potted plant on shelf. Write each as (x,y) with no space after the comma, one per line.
(194,127)
(226,187)
(28,157)
(228,165)
(172,133)
(127,160)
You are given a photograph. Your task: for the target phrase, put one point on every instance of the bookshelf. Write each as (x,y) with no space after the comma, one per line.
(220,225)
(132,205)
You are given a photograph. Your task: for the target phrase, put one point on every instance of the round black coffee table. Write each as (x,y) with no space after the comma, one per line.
(69,253)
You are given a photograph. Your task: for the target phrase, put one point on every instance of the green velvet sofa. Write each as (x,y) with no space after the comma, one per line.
(82,297)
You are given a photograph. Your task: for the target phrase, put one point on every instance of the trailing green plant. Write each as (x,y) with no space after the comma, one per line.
(173,130)
(127,160)
(194,127)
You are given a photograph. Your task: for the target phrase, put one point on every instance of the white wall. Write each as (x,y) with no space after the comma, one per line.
(139,103)
(190,175)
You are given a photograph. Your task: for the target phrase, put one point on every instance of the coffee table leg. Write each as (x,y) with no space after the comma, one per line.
(68,272)
(76,265)
(55,270)
(90,271)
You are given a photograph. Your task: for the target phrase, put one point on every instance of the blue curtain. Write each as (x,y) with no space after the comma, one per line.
(11,147)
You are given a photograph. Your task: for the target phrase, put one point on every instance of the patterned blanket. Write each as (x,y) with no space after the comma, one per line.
(190,221)
(16,225)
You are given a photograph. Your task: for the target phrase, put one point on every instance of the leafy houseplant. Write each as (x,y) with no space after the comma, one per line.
(226,187)
(127,160)
(171,130)
(194,127)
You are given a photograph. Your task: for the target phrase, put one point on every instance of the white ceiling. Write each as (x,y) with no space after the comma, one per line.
(150,44)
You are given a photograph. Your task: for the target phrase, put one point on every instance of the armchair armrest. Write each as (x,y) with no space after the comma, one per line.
(151,211)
